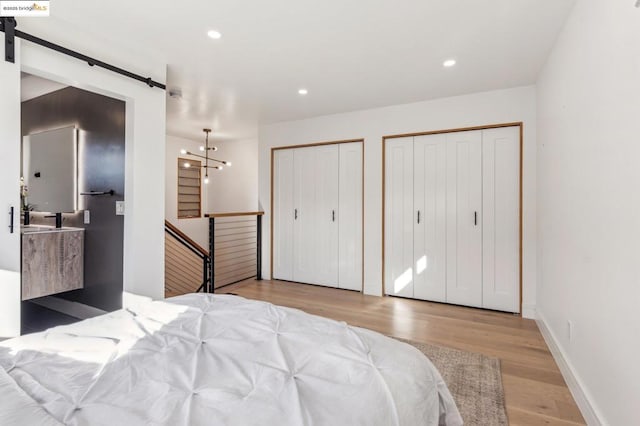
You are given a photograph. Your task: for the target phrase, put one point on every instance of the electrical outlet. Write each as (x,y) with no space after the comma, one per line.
(569,329)
(119,208)
(87,217)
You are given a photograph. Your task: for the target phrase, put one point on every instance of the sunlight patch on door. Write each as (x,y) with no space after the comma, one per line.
(403,280)
(421,265)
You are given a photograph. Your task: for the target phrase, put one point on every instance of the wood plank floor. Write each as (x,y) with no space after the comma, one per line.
(535,391)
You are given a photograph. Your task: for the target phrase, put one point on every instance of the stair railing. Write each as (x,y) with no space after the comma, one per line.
(235,244)
(195,248)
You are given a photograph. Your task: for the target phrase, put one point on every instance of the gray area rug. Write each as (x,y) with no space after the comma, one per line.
(473,379)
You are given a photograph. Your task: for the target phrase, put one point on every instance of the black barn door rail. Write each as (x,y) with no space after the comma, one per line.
(8,26)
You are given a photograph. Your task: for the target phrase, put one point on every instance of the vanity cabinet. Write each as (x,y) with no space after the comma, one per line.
(52,262)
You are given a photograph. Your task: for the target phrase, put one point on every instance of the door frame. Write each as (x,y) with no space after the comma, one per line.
(519,124)
(308,145)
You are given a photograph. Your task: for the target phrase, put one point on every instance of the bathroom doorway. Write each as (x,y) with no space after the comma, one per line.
(72,187)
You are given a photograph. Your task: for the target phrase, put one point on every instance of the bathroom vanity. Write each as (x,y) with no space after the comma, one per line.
(52,260)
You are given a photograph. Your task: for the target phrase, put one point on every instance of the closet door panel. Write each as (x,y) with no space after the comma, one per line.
(429,258)
(304,226)
(10,265)
(501,219)
(324,244)
(399,216)
(464,218)
(350,217)
(283,214)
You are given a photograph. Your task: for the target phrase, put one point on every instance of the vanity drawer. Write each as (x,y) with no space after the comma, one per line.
(52,262)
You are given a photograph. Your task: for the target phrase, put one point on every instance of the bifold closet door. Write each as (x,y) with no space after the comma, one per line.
(350,217)
(501,219)
(304,232)
(399,217)
(317,208)
(283,214)
(464,218)
(429,245)
(324,243)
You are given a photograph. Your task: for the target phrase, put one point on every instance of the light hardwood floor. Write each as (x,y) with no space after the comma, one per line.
(535,391)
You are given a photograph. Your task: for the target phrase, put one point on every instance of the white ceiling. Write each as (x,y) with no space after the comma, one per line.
(349,54)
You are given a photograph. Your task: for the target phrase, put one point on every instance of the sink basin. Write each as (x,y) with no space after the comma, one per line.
(30,229)
(33,228)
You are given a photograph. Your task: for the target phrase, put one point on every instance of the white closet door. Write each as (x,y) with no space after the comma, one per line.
(429,246)
(324,244)
(283,214)
(399,217)
(501,219)
(304,227)
(464,218)
(350,217)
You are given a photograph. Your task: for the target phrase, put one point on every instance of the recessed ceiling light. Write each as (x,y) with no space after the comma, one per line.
(303,91)
(214,34)
(449,63)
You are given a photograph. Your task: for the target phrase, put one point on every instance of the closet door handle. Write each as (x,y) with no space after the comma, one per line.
(418,216)
(475,218)
(295,214)
(333,215)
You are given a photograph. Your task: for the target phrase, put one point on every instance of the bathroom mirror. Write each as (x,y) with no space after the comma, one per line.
(50,170)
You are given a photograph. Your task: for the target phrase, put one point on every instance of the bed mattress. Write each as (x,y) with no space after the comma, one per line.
(218,360)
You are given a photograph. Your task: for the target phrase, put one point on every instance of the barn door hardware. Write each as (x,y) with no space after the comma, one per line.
(8,26)
(11,210)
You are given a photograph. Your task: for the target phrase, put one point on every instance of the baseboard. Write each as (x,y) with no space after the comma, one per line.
(573,382)
(67,307)
(529,311)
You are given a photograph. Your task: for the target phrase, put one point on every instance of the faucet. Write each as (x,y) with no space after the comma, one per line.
(58,217)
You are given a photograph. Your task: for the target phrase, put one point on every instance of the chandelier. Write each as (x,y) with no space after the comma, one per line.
(206,149)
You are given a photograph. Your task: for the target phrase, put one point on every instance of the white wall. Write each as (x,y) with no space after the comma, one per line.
(145,136)
(233,189)
(195,228)
(501,106)
(589,204)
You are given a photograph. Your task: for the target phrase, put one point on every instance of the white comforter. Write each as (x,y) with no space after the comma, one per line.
(218,360)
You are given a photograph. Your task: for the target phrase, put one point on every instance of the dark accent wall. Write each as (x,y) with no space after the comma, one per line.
(101,162)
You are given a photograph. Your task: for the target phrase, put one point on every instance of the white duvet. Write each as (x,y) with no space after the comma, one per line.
(218,360)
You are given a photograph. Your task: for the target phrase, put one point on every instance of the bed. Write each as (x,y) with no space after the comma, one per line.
(203,359)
